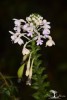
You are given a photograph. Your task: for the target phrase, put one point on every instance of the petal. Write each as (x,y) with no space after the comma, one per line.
(39,42)
(22,20)
(11,32)
(47,26)
(30,34)
(48,22)
(13,37)
(50,43)
(45,32)
(27,72)
(20,42)
(16,40)
(25,27)
(44,21)
(25,51)
(28,66)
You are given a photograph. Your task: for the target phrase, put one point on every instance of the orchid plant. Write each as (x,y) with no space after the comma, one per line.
(31,33)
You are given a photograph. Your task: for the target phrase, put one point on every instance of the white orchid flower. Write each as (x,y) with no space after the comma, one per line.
(31,29)
(25,51)
(50,42)
(19,41)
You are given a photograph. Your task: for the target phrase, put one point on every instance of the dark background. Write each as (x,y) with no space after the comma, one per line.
(55,57)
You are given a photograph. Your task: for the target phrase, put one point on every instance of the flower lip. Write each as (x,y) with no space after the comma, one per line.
(30,34)
(25,51)
(46,31)
(50,42)
(19,41)
(39,42)
(17,22)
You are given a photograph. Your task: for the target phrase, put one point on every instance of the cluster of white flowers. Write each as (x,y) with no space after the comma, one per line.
(34,28)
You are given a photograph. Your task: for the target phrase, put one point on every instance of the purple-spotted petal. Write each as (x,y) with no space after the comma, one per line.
(30,34)
(39,42)
(46,31)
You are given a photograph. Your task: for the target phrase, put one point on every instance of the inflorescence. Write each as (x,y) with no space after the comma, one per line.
(34,28)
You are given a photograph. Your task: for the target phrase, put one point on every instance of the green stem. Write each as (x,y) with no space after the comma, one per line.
(8,77)
(6,83)
(40,85)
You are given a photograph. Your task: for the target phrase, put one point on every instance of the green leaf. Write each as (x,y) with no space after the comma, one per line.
(36,96)
(20,71)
